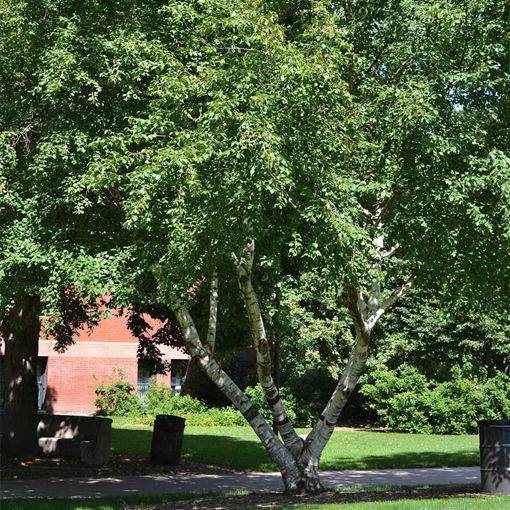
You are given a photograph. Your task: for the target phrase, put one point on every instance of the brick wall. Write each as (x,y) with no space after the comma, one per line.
(70,385)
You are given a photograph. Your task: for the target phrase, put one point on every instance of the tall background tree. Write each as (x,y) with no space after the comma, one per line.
(55,264)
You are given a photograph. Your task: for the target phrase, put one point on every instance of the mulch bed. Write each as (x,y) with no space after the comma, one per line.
(278,500)
(29,468)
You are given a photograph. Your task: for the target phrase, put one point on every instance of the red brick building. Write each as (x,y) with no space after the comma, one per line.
(67,381)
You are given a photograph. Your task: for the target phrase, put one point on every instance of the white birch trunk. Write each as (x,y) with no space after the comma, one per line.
(320,435)
(213,314)
(244,267)
(286,463)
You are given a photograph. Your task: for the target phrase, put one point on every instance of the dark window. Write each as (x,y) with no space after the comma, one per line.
(42,364)
(145,373)
(178,371)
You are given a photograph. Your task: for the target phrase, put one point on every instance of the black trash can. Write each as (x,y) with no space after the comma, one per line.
(495,455)
(167,440)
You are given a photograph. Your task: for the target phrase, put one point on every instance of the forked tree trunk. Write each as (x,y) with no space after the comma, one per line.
(20,332)
(279,454)
(297,460)
(298,466)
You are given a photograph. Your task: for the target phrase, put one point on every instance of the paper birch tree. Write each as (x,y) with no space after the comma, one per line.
(364,140)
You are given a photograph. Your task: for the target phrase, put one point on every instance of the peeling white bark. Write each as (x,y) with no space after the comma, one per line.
(286,463)
(243,267)
(213,314)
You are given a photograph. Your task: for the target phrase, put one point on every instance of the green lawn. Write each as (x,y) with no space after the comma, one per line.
(238,447)
(87,504)
(469,503)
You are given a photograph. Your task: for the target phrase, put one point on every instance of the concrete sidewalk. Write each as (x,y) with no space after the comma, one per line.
(178,484)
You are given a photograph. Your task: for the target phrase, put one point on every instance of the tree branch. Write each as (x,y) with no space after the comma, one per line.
(243,268)
(213,314)
(395,296)
(391,251)
(190,117)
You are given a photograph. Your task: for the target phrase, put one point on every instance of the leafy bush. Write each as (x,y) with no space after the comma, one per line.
(161,400)
(256,395)
(311,390)
(406,400)
(217,416)
(116,397)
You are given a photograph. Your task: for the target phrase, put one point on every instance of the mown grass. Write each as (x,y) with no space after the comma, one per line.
(239,448)
(469,503)
(464,503)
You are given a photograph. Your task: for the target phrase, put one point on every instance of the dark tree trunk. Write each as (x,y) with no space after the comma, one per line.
(20,332)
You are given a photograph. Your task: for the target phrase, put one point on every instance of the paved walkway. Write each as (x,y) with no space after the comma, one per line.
(167,484)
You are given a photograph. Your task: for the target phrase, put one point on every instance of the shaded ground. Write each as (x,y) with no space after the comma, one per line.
(239,448)
(201,484)
(277,500)
(30,468)
(217,450)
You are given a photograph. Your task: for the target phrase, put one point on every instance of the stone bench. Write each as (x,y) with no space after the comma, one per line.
(86,437)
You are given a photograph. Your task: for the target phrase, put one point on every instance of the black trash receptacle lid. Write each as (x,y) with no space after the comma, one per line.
(170,418)
(504,423)
(169,422)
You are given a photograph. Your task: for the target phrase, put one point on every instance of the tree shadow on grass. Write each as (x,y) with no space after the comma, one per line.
(421,459)
(272,499)
(250,455)
(233,452)
(135,441)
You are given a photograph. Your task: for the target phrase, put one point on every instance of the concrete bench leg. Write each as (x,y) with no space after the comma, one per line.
(92,454)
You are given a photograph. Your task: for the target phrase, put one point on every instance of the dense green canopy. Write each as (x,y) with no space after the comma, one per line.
(48,247)
(326,129)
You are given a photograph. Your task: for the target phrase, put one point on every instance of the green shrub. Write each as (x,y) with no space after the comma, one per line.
(157,393)
(161,400)
(405,400)
(116,397)
(217,416)
(256,395)
(311,391)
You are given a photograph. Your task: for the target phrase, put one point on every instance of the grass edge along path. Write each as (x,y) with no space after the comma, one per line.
(383,498)
(239,448)
(466,503)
